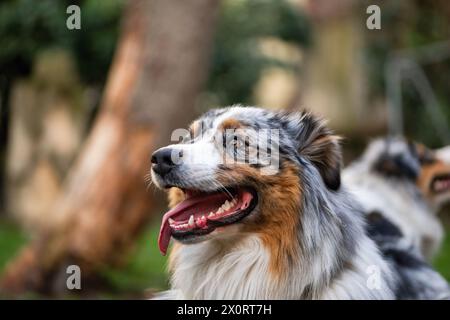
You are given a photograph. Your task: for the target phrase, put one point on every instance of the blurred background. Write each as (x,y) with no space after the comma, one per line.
(81,111)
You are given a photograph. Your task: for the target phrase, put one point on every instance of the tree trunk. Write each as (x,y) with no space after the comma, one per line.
(157,73)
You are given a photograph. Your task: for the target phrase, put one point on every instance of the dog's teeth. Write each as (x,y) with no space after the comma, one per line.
(191,221)
(171,221)
(226,205)
(220,210)
(211,214)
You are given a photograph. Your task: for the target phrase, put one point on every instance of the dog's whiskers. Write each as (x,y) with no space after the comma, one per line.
(148,180)
(221,187)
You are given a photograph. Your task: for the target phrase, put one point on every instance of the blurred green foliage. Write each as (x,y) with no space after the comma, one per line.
(410,25)
(236,62)
(29,26)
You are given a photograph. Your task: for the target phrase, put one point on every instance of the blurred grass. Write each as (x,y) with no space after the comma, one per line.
(145,268)
(442,261)
(11,240)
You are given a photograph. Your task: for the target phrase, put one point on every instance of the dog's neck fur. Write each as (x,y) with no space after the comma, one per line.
(335,260)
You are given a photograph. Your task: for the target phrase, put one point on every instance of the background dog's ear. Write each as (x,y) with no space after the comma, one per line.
(318,143)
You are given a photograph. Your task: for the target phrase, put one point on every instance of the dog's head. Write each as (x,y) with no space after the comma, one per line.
(429,170)
(238,170)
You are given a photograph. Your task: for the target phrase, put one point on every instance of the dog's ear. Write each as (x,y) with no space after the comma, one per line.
(317,142)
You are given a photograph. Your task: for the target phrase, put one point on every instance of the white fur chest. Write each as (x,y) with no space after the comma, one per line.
(209,271)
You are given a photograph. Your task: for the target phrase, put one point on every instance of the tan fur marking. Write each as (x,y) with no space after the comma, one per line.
(195,128)
(230,123)
(175,195)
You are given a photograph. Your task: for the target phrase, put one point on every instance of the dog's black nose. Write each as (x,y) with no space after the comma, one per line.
(162,161)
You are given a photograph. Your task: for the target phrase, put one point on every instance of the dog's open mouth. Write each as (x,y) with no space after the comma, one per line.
(441,183)
(202,212)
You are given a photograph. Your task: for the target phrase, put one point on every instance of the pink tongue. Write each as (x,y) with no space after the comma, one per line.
(194,201)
